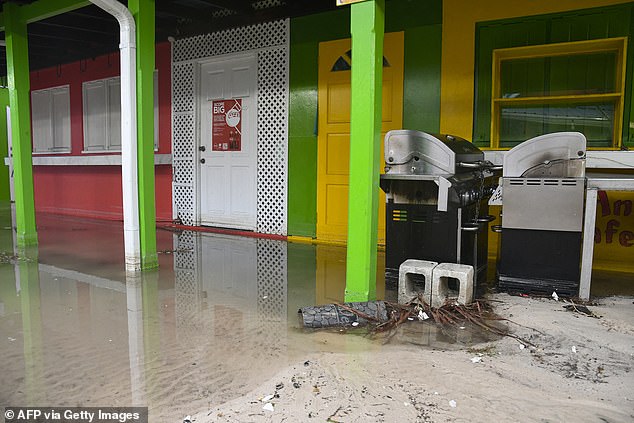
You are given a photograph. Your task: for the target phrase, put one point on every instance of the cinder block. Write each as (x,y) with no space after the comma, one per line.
(440,288)
(406,287)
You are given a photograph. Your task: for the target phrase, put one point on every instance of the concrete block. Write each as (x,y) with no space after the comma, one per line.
(406,287)
(440,287)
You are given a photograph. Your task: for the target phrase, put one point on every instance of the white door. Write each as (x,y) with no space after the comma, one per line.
(228,142)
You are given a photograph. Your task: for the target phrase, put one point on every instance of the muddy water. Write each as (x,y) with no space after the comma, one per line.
(217,319)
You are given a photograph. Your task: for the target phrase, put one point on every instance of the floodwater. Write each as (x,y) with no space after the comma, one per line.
(216,320)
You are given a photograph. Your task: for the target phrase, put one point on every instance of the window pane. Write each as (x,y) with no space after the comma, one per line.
(576,74)
(41,121)
(594,120)
(61,119)
(95,111)
(523,78)
(156,111)
(114,114)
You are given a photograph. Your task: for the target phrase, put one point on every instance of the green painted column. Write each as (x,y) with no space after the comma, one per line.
(144,16)
(19,87)
(367,27)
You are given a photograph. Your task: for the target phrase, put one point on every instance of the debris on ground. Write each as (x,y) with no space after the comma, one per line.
(581,309)
(384,316)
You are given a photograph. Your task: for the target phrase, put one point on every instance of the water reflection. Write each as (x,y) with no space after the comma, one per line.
(214,322)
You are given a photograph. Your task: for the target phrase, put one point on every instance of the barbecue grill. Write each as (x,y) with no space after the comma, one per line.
(542,192)
(436,188)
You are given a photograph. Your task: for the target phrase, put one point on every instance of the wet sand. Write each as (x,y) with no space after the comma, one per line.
(580,370)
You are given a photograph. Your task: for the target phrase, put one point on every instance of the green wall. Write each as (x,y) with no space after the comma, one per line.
(421,22)
(580,25)
(5,194)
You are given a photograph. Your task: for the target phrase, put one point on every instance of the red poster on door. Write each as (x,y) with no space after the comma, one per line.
(226,134)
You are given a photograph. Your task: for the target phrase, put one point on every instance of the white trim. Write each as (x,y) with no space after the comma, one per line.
(602,159)
(96,160)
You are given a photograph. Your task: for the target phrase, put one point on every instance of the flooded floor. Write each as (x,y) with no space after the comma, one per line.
(215,320)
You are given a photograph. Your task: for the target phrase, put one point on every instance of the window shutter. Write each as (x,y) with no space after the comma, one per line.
(41,120)
(114,114)
(95,119)
(61,119)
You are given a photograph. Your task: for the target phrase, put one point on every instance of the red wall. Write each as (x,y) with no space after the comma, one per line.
(95,191)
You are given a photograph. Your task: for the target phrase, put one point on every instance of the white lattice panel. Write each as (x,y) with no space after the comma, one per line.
(222,13)
(184,203)
(270,40)
(263,35)
(265,4)
(272,140)
(183,88)
(183,136)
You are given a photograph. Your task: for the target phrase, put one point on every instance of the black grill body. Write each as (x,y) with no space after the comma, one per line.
(436,190)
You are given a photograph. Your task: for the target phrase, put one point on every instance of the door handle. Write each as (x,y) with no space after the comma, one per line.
(202,161)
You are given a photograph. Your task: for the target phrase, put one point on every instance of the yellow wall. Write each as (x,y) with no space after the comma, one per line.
(458,49)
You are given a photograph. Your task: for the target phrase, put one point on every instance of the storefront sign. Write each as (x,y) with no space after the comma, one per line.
(344,2)
(614,231)
(614,219)
(226,125)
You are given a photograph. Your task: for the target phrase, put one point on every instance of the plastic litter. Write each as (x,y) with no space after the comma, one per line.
(453,404)
(267,398)
(476,359)
(268,407)
(555,296)
(522,346)
(574,349)
(187,419)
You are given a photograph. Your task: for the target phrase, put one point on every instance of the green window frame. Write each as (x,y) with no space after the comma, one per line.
(591,105)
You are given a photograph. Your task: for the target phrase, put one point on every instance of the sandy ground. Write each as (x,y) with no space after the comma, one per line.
(579,370)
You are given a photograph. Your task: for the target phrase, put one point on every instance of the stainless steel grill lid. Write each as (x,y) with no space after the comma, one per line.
(416,152)
(560,155)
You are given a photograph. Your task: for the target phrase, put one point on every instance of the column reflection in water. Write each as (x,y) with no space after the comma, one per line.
(143,333)
(28,279)
(134,301)
(21,310)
